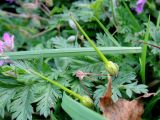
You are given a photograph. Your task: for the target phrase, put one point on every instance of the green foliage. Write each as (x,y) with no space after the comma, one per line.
(97,7)
(103,40)
(144,52)
(154,32)
(100,90)
(20,107)
(59,42)
(107,32)
(123,82)
(151,104)
(6,96)
(46,98)
(77,111)
(42,43)
(18,98)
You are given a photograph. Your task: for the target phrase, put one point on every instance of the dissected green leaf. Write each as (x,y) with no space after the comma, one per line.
(20,107)
(47,98)
(103,40)
(6,96)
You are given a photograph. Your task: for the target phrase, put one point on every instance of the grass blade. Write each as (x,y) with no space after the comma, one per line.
(70,52)
(78,111)
(144,52)
(158,20)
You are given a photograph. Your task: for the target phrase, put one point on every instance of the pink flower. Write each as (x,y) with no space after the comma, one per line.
(140,4)
(8,42)
(80,74)
(6,45)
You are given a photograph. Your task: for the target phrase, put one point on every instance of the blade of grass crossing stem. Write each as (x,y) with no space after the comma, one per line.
(100,54)
(77,111)
(69,52)
(107,32)
(144,52)
(134,20)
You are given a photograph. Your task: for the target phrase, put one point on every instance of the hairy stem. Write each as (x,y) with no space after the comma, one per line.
(58,85)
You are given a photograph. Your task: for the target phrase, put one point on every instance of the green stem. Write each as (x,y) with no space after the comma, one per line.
(107,32)
(113,12)
(158,20)
(58,85)
(101,55)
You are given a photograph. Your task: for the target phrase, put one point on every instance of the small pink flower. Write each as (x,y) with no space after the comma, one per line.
(6,45)
(80,74)
(8,41)
(140,4)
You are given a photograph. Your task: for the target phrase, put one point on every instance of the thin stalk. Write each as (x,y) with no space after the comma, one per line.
(113,12)
(144,52)
(43,32)
(158,20)
(58,85)
(152,45)
(107,32)
(101,55)
(24,16)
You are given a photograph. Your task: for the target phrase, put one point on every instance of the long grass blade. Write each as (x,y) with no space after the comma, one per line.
(144,52)
(78,111)
(69,52)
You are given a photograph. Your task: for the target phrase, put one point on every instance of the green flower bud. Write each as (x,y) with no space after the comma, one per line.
(87,101)
(112,68)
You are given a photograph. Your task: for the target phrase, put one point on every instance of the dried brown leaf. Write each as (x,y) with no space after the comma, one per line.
(122,109)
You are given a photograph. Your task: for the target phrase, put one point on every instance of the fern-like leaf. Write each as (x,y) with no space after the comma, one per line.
(21,108)
(103,40)
(6,95)
(47,99)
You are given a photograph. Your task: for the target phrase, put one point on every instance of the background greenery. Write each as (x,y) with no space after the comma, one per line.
(46,26)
